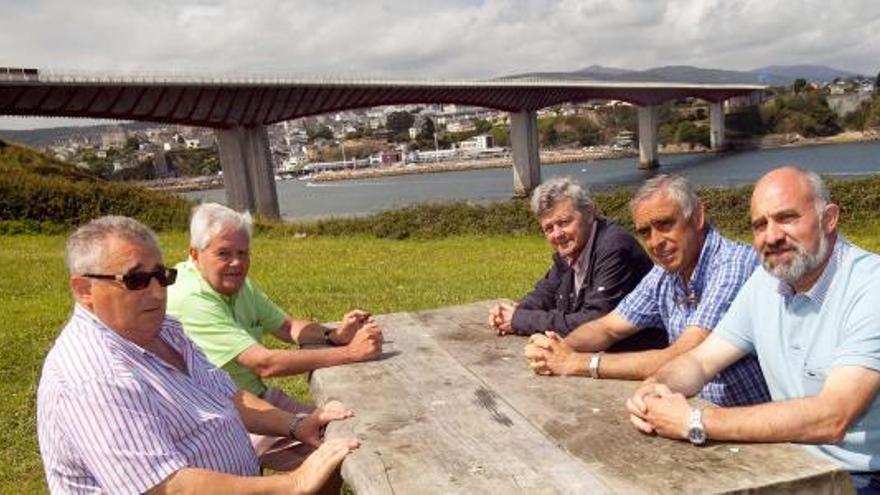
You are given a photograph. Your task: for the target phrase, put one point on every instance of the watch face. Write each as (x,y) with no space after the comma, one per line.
(696,435)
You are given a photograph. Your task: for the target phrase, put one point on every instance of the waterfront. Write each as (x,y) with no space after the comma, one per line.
(307,200)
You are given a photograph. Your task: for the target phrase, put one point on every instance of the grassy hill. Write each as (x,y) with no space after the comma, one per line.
(40,194)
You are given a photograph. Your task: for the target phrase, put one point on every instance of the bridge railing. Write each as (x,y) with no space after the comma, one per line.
(19,74)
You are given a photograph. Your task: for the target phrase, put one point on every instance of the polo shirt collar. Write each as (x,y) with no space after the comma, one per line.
(819,290)
(204,285)
(692,287)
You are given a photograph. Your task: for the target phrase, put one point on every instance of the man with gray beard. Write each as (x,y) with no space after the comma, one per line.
(813,319)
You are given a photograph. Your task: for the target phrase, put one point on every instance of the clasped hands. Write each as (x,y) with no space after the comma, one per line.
(549,354)
(501,318)
(360,333)
(655,409)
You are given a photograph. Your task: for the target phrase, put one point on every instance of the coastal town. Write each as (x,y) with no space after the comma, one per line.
(405,139)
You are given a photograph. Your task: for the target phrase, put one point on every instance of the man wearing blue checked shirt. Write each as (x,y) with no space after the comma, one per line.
(810,313)
(696,276)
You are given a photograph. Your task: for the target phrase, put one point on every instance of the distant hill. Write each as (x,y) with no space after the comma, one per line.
(25,160)
(49,135)
(780,75)
(788,73)
(41,194)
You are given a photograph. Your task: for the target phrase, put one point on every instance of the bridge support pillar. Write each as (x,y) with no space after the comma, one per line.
(648,137)
(248,173)
(716,125)
(526,157)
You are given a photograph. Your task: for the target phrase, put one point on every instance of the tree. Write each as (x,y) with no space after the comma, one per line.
(483,126)
(318,131)
(399,122)
(807,114)
(587,134)
(501,135)
(427,129)
(799,85)
(132,143)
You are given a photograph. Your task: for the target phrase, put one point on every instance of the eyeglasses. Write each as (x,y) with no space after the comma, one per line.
(140,280)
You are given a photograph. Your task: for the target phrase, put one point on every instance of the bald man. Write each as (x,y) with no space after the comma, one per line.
(811,316)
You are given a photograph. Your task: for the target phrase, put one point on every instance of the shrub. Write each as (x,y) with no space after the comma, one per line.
(38,193)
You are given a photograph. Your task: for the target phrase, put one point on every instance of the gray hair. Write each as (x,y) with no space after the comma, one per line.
(677,187)
(209,219)
(548,194)
(86,248)
(821,196)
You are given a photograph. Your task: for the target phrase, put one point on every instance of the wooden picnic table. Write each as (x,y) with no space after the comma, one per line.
(452,408)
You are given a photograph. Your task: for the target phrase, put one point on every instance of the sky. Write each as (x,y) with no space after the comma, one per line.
(424,39)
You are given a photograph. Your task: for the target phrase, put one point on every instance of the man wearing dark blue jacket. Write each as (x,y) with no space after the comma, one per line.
(596,264)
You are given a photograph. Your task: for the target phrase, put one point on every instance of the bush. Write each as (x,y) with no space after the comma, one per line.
(39,194)
(726,208)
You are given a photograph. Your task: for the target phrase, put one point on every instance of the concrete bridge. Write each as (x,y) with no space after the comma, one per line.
(239,109)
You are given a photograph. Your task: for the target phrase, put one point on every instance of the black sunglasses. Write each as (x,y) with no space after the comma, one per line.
(140,280)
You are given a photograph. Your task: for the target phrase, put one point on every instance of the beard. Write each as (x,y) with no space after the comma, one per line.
(801,263)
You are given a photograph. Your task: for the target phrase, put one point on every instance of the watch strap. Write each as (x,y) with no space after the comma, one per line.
(297,419)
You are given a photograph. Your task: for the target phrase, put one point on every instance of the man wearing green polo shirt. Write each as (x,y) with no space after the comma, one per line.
(227,316)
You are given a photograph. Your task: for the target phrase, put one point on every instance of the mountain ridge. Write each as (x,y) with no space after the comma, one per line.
(774,75)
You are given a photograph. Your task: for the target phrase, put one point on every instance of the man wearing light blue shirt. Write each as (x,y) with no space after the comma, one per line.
(812,317)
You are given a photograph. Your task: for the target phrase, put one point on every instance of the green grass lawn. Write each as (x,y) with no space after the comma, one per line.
(318,278)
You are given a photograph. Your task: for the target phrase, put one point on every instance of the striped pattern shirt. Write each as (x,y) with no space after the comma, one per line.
(113,417)
(663,298)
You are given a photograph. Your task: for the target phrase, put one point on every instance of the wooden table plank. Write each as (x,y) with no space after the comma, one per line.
(452,408)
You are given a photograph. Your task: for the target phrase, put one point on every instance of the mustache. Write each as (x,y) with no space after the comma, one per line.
(780,247)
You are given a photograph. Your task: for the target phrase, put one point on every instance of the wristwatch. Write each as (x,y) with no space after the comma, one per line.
(696,432)
(327,339)
(297,419)
(594,364)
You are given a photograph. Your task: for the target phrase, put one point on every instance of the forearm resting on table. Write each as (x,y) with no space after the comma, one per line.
(600,334)
(643,364)
(284,362)
(197,481)
(259,416)
(302,332)
(821,419)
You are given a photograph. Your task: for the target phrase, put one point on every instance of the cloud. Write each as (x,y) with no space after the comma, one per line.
(435,39)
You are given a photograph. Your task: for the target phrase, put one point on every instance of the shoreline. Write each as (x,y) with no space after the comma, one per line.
(547,157)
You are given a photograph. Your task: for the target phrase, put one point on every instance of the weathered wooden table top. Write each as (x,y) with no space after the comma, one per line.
(452,408)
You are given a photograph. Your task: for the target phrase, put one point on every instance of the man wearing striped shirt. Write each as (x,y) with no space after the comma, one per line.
(126,402)
(696,276)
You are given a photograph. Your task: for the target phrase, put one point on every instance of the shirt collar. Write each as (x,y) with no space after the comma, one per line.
(204,285)
(580,264)
(819,290)
(691,288)
(82,312)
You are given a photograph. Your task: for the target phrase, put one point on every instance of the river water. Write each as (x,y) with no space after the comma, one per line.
(306,200)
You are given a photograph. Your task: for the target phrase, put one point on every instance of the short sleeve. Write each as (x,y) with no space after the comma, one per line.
(640,307)
(721,287)
(269,313)
(209,322)
(860,345)
(120,434)
(736,325)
